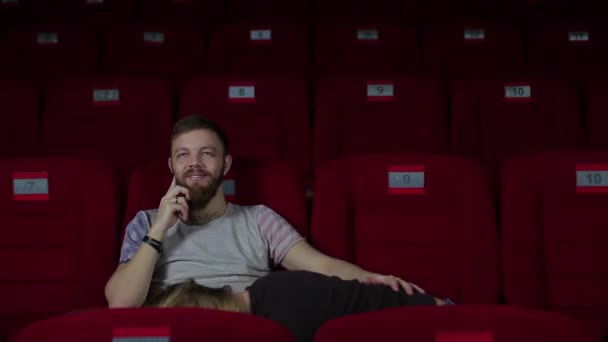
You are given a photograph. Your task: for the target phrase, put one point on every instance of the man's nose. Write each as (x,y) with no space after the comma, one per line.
(196,160)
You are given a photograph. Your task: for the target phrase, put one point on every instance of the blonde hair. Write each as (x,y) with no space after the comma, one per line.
(191,294)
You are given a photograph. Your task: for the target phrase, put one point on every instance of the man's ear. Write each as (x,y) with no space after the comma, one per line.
(170,166)
(227,164)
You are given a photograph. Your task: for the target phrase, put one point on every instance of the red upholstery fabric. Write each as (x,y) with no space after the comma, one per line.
(286,53)
(97,14)
(488,127)
(193,12)
(447,53)
(339,50)
(444,240)
(476,323)
(288,11)
(127,133)
(170,52)
(565,11)
(553,53)
(275,126)
(19,105)
(276,184)
(26,12)
(596,114)
(47,52)
(59,252)
(347,122)
(446,10)
(336,10)
(185,324)
(553,238)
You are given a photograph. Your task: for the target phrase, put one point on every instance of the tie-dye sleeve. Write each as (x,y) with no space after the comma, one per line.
(135,232)
(279,235)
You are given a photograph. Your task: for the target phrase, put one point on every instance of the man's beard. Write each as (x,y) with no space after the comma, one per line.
(201,195)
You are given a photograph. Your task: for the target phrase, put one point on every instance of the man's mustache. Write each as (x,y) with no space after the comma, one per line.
(197,172)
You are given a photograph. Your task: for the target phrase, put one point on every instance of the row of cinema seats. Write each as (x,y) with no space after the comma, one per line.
(102,12)
(447,324)
(127,122)
(426,218)
(177,52)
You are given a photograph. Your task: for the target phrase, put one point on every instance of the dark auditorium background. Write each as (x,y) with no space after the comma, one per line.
(460,145)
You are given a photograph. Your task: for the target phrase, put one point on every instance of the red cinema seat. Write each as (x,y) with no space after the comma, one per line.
(155,324)
(19,109)
(475,323)
(263,48)
(98,14)
(337,10)
(286,11)
(23,13)
(121,121)
(573,51)
(60,221)
(347,47)
(447,10)
(48,52)
(170,52)
(426,219)
(494,121)
(554,235)
(565,11)
(264,118)
(472,49)
(196,13)
(379,115)
(597,118)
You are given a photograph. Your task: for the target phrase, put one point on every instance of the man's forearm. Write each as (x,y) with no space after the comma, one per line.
(129,285)
(344,270)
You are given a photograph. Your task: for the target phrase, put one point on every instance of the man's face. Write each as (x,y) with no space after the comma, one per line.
(197,162)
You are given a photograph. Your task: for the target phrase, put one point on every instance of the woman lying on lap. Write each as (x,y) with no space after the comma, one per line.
(301,301)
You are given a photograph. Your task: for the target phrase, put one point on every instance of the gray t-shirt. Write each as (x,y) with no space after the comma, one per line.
(235,249)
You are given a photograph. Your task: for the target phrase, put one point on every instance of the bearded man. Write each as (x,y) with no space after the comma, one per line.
(196,234)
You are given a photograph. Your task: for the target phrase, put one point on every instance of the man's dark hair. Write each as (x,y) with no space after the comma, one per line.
(196,122)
